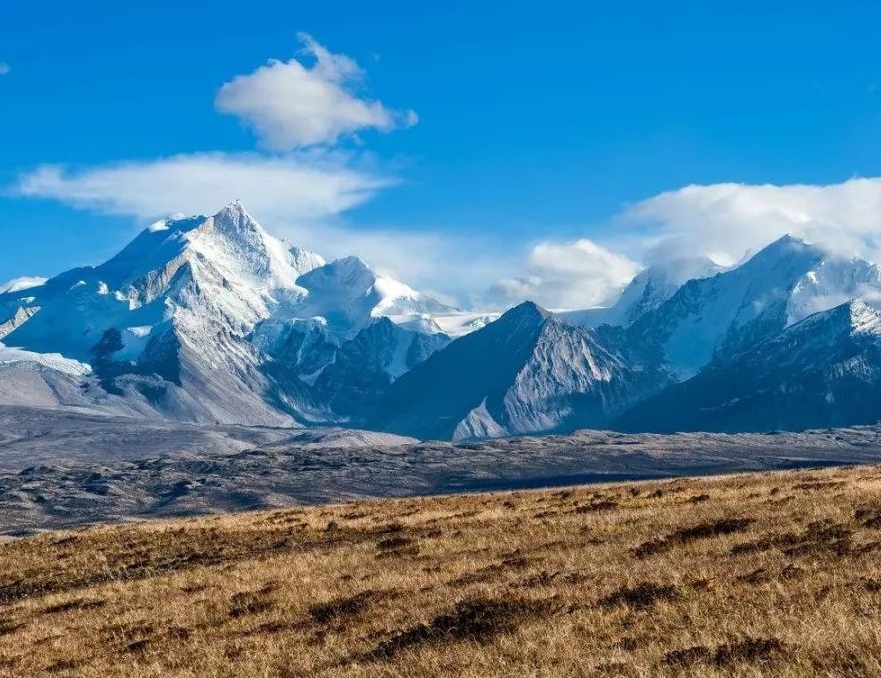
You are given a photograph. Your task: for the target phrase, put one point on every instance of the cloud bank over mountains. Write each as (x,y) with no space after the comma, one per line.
(725,222)
(567,275)
(728,220)
(299,186)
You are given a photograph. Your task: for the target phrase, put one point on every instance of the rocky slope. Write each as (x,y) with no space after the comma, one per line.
(822,371)
(782,284)
(526,372)
(192,320)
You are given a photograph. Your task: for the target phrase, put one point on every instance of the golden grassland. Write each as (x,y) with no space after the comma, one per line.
(765,574)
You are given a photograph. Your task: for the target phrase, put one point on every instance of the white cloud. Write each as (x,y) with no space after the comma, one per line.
(304,186)
(727,221)
(579,274)
(4,68)
(292,105)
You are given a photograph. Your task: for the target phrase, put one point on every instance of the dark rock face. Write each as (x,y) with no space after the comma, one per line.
(527,372)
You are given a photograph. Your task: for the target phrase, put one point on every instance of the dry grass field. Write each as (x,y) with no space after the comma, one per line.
(766,574)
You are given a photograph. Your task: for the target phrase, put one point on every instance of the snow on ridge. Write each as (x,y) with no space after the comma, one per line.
(458,324)
(863,318)
(247,253)
(165,224)
(10,355)
(388,287)
(833,281)
(23,283)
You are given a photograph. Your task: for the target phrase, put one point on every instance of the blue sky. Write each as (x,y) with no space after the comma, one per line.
(540,126)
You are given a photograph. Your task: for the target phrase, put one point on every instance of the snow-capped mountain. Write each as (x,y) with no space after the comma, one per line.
(347,294)
(165,317)
(823,371)
(211,319)
(157,281)
(527,372)
(193,313)
(723,314)
(663,330)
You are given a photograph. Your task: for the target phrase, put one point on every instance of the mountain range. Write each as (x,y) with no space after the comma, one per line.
(213,320)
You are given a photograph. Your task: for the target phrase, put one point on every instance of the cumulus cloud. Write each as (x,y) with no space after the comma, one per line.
(307,187)
(727,221)
(291,104)
(4,68)
(578,274)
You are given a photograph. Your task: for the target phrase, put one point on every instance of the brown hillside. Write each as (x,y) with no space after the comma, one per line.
(767,574)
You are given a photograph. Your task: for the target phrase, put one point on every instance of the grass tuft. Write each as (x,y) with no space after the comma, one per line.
(478,620)
(686,535)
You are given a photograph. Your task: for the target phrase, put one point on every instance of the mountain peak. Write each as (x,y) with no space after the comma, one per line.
(786,245)
(234,207)
(527,311)
(786,254)
(350,263)
(339,274)
(235,216)
(787,239)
